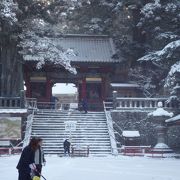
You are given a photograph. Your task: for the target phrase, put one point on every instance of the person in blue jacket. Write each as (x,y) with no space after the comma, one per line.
(26,162)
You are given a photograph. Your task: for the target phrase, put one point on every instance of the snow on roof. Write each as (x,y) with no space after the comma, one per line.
(124,85)
(131,134)
(175,118)
(13,110)
(88,48)
(160,112)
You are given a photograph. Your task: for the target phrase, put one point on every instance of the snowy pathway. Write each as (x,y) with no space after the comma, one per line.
(99,168)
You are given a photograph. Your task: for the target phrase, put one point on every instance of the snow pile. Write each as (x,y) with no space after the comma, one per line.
(7,11)
(161,146)
(131,134)
(160,112)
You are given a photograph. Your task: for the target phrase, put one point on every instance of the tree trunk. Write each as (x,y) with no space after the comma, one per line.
(11,67)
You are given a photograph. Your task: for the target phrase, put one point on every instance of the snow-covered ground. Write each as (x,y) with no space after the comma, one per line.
(99,168)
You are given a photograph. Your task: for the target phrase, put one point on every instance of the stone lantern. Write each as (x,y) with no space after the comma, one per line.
(158,117)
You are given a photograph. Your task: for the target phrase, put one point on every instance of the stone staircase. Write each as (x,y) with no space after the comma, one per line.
(91,130)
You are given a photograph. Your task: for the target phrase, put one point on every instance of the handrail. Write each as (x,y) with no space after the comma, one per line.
(110,105)
(30,104)
(28,129)
(111,131)
(119,128)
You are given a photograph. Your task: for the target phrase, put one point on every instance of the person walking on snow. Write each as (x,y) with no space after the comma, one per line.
(66,145)
(26,162)
(39,159)
(84,105)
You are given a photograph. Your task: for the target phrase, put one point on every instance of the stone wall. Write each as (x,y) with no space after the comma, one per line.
(137,120)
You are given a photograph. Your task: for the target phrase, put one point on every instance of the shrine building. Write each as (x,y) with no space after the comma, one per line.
(98,70)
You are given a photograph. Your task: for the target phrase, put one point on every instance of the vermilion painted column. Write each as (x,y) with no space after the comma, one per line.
(83,90)
(103,90)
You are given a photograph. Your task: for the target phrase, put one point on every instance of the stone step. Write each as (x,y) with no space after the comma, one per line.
(63,124)
(50,137)
(94,132)
(90,148)
(69,115)
(81,136)
(68,112)
(60,144)
(90,120)
(82,146)
(91,129)
(71,118)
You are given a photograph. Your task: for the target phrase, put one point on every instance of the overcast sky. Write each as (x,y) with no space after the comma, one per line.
(62,88)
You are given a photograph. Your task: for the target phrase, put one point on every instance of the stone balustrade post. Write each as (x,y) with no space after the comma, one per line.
(114,99)
(22,99)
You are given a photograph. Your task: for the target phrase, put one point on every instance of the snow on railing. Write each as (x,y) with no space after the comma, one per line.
(149,103)
(31,104)
(28,129)
(113,142)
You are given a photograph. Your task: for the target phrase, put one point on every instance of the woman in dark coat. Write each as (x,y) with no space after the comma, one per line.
(39,158)
(26,161)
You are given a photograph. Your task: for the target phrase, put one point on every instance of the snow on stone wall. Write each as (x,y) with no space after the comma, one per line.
(138,121)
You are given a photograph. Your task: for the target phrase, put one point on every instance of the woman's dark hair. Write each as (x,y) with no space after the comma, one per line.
(34,143)
(39,139)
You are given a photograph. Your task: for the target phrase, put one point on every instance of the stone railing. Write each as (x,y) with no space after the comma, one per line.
(28,130)
(140,103)
(10,102)
(31,103)
(109,121)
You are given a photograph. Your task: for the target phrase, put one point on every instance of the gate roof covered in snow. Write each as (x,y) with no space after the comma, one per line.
(88,48)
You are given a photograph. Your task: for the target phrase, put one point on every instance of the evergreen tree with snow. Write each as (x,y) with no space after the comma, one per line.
(160,25)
